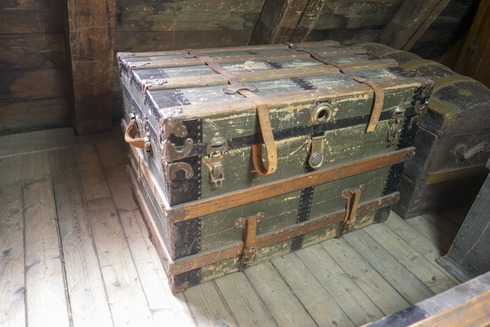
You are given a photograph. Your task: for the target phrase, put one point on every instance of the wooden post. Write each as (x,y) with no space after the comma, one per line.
(90,43)
(410,22)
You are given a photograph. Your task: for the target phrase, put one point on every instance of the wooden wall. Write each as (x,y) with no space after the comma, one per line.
(37,92)
(34,79)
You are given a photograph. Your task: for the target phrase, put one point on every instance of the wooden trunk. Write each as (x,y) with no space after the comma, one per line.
(453,142)
(338,126)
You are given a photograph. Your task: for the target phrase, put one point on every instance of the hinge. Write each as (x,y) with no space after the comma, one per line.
(214,161)
(395,124)
(316,158)
(249,224)
(352,198)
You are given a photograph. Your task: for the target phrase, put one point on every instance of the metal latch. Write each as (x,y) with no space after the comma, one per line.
(214,161)
(249,224)
(394,125)
(316,151)
(421,105)
(462,151)
(352,197)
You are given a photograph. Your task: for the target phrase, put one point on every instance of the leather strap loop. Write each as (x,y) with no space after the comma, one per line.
(267,136)
(378,100)
(262,113)
(130,133)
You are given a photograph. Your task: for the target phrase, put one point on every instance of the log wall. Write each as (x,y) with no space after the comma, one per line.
(34,79)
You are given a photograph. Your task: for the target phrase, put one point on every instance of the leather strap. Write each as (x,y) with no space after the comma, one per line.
(130,133)
(262,112)
(379,96)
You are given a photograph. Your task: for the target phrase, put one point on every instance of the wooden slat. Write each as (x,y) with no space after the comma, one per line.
(400,278)
(12,282)
(443,223)
(165,307)
(429,230)
(213,204)
(428,272)
(33,84)
(31,21)
(123,286)
(208,306)
(93,183)
(320,305)
(29,115)
(264,75)
(424,244)
(32,51)
(84,278)
(387,298)
(90,34)
(277,21)
(47,140)
(410,22)
(243,301)
(355,303)
(45,284)
(284,306)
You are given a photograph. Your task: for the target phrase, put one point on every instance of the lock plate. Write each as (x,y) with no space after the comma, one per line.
(316,158)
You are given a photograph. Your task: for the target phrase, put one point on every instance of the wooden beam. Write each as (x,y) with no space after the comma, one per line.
(308,20)
(278,20)
(410,22)
(473,59)
(90,43)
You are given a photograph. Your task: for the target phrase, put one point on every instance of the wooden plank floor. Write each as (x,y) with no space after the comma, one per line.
(75,252)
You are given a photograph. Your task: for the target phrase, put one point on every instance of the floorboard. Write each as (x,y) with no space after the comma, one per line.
(165,308)
(243,301)
(355,303)
(76,252)
(380,291)
(89,306)
(317,301)
(12,281)
(124,291)
(430,274)
(282,303)
(397,275)
(208,306)
(46,301)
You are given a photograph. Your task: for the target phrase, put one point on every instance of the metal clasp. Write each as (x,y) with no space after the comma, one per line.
(249,224)
(352,197)
(214,161)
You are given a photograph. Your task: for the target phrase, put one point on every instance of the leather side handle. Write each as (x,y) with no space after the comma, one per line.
(130,135)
